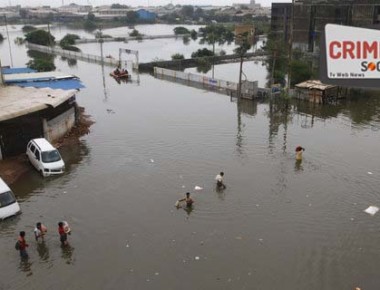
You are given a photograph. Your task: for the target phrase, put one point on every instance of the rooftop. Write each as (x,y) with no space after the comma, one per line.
(17,101)
(314,85)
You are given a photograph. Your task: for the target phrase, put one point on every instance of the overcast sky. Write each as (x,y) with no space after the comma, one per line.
(131,2)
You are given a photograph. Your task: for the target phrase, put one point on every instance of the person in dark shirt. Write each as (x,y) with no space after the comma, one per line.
(189,201)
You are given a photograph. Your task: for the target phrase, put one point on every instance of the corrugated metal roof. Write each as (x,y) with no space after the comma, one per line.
(16,101)
(70,84)
(17,70)
(34,77)
(315,85)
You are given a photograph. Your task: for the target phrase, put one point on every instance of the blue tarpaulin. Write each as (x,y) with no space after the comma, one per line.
(17,70)
(68,84)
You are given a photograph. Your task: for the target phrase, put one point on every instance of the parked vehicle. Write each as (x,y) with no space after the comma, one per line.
(44,157)
(8,203)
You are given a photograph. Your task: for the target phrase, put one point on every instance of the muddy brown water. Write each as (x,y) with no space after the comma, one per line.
(277,225)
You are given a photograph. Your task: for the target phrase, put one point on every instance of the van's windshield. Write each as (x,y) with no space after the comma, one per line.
(50,156)
(7,198)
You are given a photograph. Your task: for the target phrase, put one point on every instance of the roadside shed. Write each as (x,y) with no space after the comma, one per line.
(315,91)
(28,113)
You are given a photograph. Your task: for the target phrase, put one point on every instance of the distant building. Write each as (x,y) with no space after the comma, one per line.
(244,29)
(146,15)
(75,8)
(106,12)
(251,5)
(311,16)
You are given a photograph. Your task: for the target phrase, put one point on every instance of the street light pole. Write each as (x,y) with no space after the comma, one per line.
(9,41)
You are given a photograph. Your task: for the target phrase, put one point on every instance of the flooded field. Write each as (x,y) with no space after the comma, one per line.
(277,225)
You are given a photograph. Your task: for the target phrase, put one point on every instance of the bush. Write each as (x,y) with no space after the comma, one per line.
(19,40)
(40,37)
(202,53)
(181,30)
(1,37)
(28,28)
(134,33)
(41,65)
(193,34)
(68,40)
(177,56)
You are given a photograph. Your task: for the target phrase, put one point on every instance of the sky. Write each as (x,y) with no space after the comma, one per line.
(55,3)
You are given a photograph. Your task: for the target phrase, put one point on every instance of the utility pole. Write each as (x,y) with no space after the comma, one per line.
(290,48)
(9,41)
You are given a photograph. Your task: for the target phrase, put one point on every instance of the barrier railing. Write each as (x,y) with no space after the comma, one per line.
(73,54)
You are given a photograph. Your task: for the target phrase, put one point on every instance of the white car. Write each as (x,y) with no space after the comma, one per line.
(8,203)
(44,157)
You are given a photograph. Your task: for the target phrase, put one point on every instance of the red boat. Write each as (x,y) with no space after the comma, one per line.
(120,75)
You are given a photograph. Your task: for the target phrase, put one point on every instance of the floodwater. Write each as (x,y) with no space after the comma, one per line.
(277,225)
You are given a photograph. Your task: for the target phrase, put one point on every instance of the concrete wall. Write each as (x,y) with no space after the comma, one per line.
(59,126)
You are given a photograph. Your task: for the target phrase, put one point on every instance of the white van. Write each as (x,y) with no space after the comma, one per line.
(8,203)
(44,157)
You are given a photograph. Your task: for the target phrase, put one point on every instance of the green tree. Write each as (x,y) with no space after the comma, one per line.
(181,30)
(216,33)
(177,56)
(193,34)
(134,33)
(202,53)
(187,11)
(91,16)
(40,37)
(241,50)
(300,71)
(277,60)
(28,28)
(118,6)
(68,40)
(41,65)
(132,16)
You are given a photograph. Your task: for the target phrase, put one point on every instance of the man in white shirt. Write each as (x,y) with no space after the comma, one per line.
(219,180)
(39,231)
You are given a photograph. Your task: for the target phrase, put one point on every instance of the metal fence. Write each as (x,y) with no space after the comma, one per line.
(249,90)
(73,54)
(194,78)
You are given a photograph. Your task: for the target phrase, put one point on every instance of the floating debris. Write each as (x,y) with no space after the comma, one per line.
(151,161)
(198,188)
(369,172)
(372,210)
(197,258)
(183,186)
(156,273)
(238,238)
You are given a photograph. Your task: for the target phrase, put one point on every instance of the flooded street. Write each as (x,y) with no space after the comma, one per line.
(277,225)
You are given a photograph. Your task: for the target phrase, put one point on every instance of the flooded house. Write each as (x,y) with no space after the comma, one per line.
(34,110)
(315,91)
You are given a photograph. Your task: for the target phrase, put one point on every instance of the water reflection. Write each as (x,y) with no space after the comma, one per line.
(73,154)
(43,251)
(298,166)
(220,192)
(26,266)
(67,254)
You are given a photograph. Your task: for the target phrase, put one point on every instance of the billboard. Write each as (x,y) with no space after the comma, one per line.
(350,56)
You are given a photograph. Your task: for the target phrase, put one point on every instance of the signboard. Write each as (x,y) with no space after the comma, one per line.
(350,56)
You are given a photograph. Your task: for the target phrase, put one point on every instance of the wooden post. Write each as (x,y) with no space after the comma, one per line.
(240,73)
